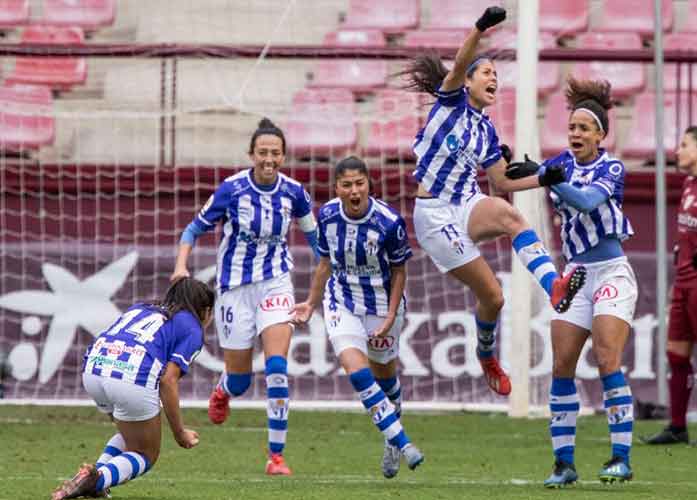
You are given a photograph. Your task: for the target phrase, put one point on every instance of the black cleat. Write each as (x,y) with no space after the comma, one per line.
(669,435)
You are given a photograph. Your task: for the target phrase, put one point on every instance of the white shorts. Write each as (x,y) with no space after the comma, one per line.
(610,289)
(241,314)
(127,402)
(441,230)
(346,329)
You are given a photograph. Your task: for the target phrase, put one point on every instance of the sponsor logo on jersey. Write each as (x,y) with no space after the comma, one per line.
(279,302)
(383,343)
(605,292)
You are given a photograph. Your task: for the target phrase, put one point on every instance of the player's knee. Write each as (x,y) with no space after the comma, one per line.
(608,360)
(236,384)
(492,300)
(276,364)
(512,220)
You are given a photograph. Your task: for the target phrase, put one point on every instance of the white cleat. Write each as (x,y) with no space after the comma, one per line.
(391,457)
(413,456)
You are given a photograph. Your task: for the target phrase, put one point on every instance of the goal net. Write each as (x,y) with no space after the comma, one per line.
(91,211)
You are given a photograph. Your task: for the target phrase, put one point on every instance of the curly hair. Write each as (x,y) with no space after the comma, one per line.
(592,95)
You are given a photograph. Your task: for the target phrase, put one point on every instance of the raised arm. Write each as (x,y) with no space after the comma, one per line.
(520,176)
(465,54)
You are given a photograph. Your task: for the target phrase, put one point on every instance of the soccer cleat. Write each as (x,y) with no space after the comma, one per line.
(564,288)
(564,474)
(413,456)
(495,376)
(390,460)
(83,483)
(615,470)
(218,406)
(669,435)
(276,466)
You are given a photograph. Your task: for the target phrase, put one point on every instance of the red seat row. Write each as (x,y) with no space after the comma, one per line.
(86,14)
(26,120)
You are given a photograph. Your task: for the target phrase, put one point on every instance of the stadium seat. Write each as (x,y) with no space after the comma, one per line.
(455,14)
(25,121)
(357,75)
(389,16)
(641,142)
(633,16)
(674,41)
(563,18)
(322,123)
(13,13)
(86,14)
(394,125)
(59,72)
(626,78)
(502,115)
(554,132)
(434,39)
(548,74)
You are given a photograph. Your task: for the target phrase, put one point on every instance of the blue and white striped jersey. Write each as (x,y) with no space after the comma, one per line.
(581,231)
(361,253)
(455,140)
(255,221)
(138,346)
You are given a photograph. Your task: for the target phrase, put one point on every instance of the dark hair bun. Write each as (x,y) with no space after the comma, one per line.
(266,123)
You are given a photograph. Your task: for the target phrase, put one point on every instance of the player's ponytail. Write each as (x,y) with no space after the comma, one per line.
(267,127)
(188,294)
(593,96)
(424,73)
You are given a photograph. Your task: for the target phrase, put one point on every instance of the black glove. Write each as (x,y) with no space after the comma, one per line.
(553,175)
(491,17)
(520,169)
(506,153)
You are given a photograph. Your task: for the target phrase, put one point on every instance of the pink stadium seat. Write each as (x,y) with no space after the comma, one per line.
(322,123)
(395,125)
(357,75)
(549,73)
(87,14)
(455,14)
(389,16)
(553,136)
(563,18)
(25,121)
(626,78)
(355,38)
(434,39)
(502,115)
(691,21)
(14,12)
(634,16)
(59,72)
(641,141)
(670,77)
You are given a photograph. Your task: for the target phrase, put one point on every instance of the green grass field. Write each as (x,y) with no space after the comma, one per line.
(337,456)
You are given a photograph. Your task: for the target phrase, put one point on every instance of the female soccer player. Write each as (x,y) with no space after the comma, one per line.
(128,370)
(592,229)
(364,246)
(255,293)
(451,214)
(682,332)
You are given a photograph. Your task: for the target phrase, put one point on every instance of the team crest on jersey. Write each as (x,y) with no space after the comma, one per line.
(453,143)
(279,302)
(605,292)
(371,246)
(383,343)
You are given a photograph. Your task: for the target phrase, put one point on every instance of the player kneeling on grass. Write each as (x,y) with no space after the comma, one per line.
(363,246)
(128,370)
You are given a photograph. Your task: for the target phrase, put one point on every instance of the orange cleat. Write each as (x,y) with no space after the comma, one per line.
(495,376)
(564,288)
(83,483)
(218,406)
(276,466)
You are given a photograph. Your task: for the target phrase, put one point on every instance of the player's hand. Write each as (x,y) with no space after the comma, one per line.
(179,273)
(301,313)
(384,328)
(552,175)
(520,169)
(491,17)
(187,438)
(506,153)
